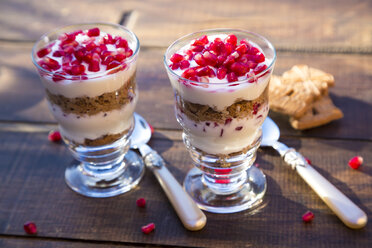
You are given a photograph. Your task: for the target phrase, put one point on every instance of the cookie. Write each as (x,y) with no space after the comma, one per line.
(321,112)
(289,98)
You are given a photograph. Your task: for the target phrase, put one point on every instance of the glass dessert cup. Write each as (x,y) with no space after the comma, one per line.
(95,115)
(222,129)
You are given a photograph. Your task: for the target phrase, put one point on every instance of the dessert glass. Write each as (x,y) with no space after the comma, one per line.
(95,114)
(222,128)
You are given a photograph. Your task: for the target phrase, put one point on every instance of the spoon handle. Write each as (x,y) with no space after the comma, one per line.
(349,213)
(189,213)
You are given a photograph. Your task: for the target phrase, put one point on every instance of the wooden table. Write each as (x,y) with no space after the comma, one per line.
(335,36)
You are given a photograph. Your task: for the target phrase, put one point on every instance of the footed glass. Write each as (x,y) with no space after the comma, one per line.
(93,102)
(221,124)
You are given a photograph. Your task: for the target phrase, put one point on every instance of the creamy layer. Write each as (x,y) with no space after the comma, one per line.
(227,138)
(78,128)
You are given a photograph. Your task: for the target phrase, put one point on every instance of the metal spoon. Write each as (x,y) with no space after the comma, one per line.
(349,213)
(191,216)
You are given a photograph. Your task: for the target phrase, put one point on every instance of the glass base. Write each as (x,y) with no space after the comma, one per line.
(248,196)
(126,176)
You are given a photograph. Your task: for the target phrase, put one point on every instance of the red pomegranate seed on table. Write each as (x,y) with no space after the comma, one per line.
(148,228)
(30,227)
(308,216)
(308,161)
(356,162)
(93,32)
(141,202)
(43,52)
(54,136)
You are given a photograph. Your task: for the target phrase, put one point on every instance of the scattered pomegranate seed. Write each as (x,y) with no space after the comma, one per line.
(148,228)
(43,52)
(54,136)
(356,162)
(141,202)
(93,32)
(308,216)
(308,161)
(30,227)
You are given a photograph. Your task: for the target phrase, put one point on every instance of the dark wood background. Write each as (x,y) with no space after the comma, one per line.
(335,36)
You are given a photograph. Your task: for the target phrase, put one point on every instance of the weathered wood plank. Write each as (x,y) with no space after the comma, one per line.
(32,188)
(22,96)
(311,25)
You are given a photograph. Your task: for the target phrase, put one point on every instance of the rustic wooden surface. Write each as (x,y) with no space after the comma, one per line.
(335,36)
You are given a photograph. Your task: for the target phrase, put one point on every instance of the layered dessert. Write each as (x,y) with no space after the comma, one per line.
(220,84)
(89,77)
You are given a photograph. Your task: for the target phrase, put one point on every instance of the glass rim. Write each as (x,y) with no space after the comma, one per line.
(93,75)
(221,30)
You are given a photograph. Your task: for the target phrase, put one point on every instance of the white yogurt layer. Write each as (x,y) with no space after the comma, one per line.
(77,128)
(227,138)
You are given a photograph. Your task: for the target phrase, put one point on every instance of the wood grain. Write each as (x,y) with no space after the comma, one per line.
(32,188)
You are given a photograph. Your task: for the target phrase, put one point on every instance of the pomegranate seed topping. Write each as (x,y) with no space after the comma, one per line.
(141,202)
(57,77)
(203,40)
(251,64)
(43,52)
(77,69)
(217,46)
(119,57)
(113,64)
(184,64)
(104,54)
(231,77)
(242,49)
(203,71)
(30,227)
(90,46)
(108,60)
(93,32)
(253,50)
(197,48)
(94,65)
(200,60)
(221,72)
(220,60)
(108,39)
(121,43)
(51,63)
(58,53)
(176,58)
(239,69)
(229,48)
(229,61)
(148,228)
(175,66)
(232,39)
(308,216)
(259,69)
(258,58)
(54,136)
(356,162)
(69,49)
(210,58)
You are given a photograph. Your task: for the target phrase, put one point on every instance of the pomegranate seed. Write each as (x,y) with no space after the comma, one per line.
(242,49)
(239,69)
(104,54)
(232,39)
(148,228)
(203,40)
(259,69)
(203,71)
(93,32)
(210,58)
(121,43)
(258,58)
(184,64)
(220,60)
(51,63)
(94,66)
(308,160)
(69,50)
(43,52)
(152,129)
(175,66)
(228,121)
(119,57)
(356,162)
(200,60)
(229,48)
(256,105)
(108,39)
(58,77)
(30,227)
(217,46)
(113,64)
(204,80)
(229,61)
(239,128)
(251,64)
(197,48)
(176,58)
(141,202)
(108,60)
(253,50)
(77,69)
(90,46)
(58,53)
(231,77)
(221,72)
(54,136)
(308,216)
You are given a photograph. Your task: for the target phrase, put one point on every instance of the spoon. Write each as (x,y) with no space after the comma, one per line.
(189,213)
(349,213)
